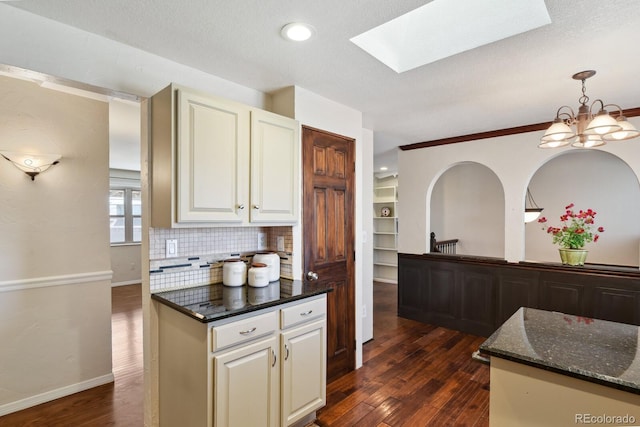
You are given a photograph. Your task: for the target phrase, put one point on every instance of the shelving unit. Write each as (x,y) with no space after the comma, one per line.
(385,234)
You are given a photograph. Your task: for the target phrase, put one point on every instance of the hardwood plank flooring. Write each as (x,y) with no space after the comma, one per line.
(413,375)
(115,404)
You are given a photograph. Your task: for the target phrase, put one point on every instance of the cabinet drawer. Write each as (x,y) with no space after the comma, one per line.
(243,330)
(303,312)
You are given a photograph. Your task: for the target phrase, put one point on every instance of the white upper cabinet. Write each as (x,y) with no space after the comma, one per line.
(218,162)
(213,144)
(275,151)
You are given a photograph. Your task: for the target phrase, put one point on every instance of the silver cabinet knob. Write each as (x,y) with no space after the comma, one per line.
(240,207)
(312,277)
(256,207)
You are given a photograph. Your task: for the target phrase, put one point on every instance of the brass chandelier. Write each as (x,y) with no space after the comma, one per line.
(591,130)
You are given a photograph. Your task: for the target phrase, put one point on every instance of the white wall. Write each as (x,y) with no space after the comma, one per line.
(589,179)
(366,246)
(514,159)
(467,203)
(55,299)
(322,113)
(126,264)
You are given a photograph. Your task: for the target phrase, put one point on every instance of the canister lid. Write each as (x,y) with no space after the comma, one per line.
(258,265)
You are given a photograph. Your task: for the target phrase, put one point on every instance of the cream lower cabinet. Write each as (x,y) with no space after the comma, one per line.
(303,371)
(247,384)
(219,162)
(266,369)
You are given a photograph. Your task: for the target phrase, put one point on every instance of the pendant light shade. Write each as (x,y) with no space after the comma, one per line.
(627,131)
(602,123)
(531,209)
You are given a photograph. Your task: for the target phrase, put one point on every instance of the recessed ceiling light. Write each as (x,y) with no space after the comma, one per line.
(297,31)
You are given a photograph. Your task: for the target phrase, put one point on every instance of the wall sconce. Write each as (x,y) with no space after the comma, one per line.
(31,164)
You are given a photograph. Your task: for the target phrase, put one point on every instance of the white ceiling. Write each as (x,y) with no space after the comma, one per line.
(512,82)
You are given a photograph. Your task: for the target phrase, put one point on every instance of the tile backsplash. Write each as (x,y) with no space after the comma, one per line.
(201,250)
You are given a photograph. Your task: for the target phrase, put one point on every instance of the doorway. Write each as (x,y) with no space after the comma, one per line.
(328,237)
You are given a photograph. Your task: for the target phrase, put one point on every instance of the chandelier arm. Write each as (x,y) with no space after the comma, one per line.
(616,106)
(570,115)
(594,103)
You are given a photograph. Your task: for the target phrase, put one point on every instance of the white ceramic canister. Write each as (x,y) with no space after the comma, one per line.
(272,260)
(234,272)
(259,275)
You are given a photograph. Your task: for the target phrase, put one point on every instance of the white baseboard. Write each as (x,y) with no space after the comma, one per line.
(126,282)
(54,394)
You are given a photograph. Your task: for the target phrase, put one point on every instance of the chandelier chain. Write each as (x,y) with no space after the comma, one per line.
(584,99)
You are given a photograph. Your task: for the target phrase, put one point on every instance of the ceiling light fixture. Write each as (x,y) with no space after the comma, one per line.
(31,164)
(297,31)
(531,209)
(592,130)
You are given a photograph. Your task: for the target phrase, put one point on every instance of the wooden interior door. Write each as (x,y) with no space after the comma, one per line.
(328,174)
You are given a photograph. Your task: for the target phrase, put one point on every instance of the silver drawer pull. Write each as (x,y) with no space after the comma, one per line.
(306,313)
(247,332)
(275,358)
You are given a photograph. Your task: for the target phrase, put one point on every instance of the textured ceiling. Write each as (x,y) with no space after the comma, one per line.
(516,81)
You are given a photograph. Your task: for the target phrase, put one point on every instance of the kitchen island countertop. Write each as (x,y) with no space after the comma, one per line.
(599,351)
(214,302)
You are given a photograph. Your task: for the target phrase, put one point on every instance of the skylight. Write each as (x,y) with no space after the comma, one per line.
(443,28)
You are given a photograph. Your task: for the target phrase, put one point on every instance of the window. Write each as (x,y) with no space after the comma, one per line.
(125,215)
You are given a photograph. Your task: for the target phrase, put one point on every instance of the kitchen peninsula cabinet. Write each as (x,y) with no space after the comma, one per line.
(304,364)
(219,162)
(247,374)
(261,367)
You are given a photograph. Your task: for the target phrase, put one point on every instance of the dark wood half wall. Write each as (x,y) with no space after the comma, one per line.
(476,294)
(631,112)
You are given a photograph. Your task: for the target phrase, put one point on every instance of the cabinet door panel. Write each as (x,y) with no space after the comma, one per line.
(477,301)
(563,297)
(247,384)
(303,371)
(617,305)
(212,150)
(411,289)
(275,152)
(514,292)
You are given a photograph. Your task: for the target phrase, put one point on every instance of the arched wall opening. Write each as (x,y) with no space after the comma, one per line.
(591,179)
(467,203)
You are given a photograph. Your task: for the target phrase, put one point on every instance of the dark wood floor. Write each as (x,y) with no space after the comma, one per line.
(413,375)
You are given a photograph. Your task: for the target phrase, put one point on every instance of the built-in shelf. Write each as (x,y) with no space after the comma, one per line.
(385,233)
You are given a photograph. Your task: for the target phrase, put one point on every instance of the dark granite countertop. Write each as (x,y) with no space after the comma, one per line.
(599,351)
(214,302)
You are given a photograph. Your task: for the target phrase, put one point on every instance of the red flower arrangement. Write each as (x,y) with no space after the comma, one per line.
(576,230)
